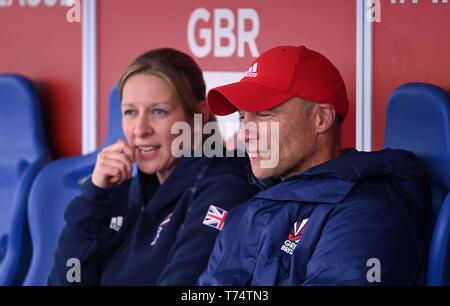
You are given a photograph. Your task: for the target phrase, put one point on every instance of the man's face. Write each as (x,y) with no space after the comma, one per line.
(284,152)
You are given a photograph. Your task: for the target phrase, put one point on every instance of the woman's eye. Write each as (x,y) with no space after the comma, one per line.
(129,112)
(159,112)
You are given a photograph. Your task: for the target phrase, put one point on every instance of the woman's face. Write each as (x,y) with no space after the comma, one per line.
(149,109)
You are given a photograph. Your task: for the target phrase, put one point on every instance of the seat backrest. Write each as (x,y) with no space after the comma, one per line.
(54,187)
(23,152)
(46,210)
(418,120)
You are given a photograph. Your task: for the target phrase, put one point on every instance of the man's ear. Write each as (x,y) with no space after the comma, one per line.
(204,110)
(326,116)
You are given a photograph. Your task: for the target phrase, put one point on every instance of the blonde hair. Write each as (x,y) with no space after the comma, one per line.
(178,69)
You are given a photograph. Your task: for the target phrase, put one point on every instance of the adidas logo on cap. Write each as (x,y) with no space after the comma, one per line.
(252,72)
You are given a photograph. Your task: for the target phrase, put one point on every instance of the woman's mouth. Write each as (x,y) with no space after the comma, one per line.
(147,151)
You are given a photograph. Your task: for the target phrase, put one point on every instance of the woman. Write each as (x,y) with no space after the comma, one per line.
(159,227)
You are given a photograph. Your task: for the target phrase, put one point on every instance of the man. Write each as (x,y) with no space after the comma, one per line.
(338,217)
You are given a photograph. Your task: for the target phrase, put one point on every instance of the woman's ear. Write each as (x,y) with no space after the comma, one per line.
(204,110)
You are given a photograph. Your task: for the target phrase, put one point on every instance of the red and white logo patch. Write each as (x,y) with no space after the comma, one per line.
(294,237)
(215,217)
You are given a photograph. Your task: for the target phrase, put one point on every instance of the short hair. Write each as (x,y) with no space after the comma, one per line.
(308,107)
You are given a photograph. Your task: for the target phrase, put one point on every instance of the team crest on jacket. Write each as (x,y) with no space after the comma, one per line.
(294,236)
(215,217)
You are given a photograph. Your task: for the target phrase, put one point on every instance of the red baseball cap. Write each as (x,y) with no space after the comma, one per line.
(278,75)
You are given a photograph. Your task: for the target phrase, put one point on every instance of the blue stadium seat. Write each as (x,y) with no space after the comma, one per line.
(418,120)
(23,153)
(54,187)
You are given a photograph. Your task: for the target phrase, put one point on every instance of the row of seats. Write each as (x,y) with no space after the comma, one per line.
(23,153)
(34,193)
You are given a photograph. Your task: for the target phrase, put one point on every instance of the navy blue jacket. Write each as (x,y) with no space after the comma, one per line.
(339,223)
(143,233)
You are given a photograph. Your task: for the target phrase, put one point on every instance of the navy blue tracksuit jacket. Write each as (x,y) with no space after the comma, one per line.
(354,220)
(141,233)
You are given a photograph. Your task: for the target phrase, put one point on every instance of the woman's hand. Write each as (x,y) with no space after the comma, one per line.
(113,165)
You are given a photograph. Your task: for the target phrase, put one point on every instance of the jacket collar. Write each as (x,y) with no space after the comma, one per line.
(332,181)
(321,190)
(187,171)
(314,185)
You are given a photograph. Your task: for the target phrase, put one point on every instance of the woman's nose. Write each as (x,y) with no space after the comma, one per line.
(143,127)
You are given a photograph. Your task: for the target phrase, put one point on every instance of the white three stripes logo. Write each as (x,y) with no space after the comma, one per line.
(116,223)
(253,68)
(252,72)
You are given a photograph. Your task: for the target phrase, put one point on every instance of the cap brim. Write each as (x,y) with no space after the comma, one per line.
(246,96)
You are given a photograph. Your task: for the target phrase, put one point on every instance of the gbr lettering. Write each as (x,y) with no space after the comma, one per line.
(222,32)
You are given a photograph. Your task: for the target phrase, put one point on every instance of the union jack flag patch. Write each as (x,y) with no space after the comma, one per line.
(215,217)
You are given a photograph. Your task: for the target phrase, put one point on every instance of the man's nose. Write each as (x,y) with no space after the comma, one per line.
(248,131)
